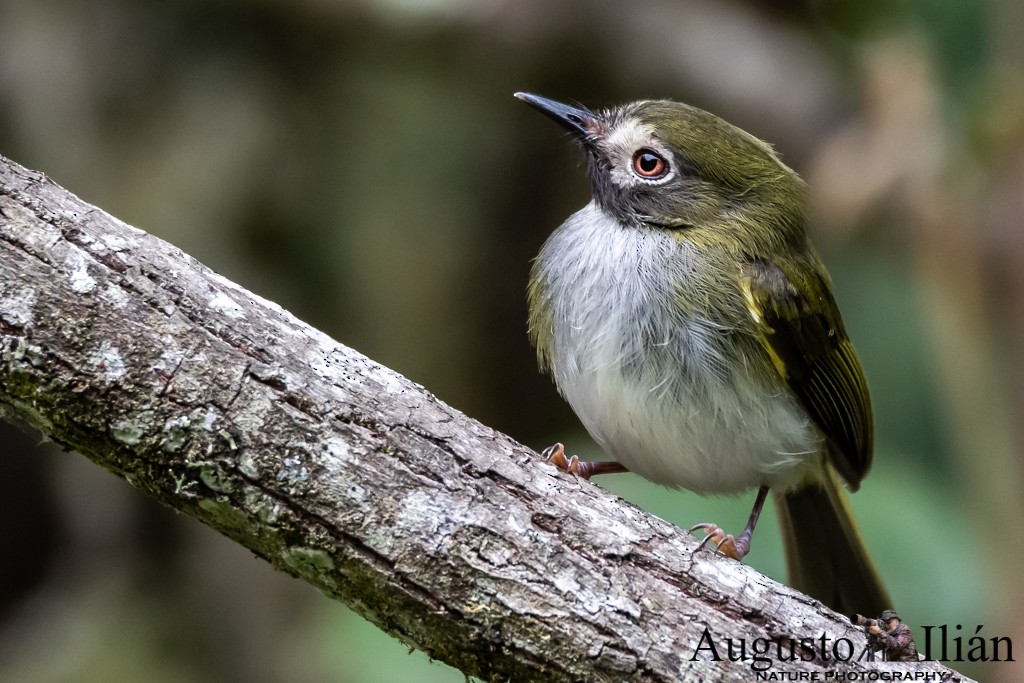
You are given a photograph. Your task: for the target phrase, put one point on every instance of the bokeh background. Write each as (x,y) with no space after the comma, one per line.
(363,163)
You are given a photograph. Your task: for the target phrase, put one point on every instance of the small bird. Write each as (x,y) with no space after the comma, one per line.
(689,322)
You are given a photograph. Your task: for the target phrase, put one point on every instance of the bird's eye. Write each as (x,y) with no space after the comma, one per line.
(649,165)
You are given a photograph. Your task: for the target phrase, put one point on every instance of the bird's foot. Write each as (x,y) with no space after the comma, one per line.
(735,547)
(727,544)
(555,454)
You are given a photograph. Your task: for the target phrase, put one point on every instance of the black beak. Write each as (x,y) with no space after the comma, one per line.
(582,123)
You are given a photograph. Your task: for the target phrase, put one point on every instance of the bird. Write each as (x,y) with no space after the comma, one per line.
(687,319)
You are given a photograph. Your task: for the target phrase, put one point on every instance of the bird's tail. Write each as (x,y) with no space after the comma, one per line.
(824,551)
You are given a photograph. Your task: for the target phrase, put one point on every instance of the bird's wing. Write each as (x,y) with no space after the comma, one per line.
(800,327)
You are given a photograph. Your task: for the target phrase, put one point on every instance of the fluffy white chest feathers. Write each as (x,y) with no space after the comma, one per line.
(674,393)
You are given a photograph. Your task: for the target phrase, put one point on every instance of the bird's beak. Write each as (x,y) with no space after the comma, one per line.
(582,123)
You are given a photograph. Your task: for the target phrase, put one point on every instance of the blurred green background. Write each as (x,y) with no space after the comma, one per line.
(363,163)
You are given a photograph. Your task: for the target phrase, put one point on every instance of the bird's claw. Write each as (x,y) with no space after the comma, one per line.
(555,454)
(727,544)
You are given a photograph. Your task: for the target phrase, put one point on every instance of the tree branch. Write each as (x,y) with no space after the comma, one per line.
(443,532)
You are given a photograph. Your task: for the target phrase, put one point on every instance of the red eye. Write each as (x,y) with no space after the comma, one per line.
(649,164)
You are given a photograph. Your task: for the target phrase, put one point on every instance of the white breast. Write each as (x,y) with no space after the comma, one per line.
(667,394)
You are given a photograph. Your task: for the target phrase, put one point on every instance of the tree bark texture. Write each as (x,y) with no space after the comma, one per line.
(446,534)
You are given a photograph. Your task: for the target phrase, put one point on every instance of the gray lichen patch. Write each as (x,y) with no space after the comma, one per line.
(338,453)
(248,465)
(214,479)
(24,357)
(176,432)
(78,273)
(222,303)
(208,419)
(16,304)
(131,430)
(115,243)
(265,509)
(109,361)
(293,470)
(114,295)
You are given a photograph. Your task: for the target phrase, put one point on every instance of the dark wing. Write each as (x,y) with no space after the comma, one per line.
(800,327)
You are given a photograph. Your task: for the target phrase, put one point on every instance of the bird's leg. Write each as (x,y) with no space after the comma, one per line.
(556,455)
(735,547)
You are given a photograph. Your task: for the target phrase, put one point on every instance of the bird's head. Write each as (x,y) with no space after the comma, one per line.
(669,165)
